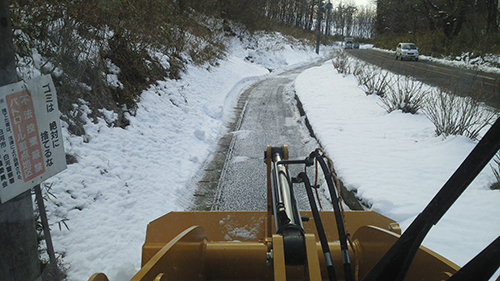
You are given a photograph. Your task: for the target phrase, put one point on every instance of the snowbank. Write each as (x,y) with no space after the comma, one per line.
(126,178)
(396,164)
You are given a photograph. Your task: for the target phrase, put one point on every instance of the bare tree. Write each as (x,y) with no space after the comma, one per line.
(450,17)
(364,22)
(343,15)
(492,16)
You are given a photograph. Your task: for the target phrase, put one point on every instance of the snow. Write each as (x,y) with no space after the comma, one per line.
(125,178)
(396,164)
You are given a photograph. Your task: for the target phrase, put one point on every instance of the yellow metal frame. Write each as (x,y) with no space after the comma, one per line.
(233,246)
(244,246)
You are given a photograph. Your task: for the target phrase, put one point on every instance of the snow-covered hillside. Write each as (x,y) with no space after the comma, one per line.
(125,178)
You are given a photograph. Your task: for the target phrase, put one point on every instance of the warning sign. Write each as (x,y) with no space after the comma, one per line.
(31,148)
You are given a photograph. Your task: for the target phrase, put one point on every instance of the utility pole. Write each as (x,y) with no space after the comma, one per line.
(318,26)
(18,239)
(329,7)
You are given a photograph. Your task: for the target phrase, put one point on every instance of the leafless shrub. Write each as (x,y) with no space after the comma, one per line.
(454,115)
(82,44)
(496,171)
(363,74)
(358,68)
(373,80)
(341,62)
(406,94)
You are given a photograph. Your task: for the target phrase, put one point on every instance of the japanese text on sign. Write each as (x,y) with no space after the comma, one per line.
(31,148)
(22,117)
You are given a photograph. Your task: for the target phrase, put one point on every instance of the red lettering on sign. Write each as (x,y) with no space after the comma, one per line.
(21,110)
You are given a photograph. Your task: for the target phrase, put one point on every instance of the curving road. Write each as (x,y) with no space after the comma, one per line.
(458,80)
(267,114)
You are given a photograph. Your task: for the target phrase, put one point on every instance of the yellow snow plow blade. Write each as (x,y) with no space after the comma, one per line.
(233,246)
(276,244)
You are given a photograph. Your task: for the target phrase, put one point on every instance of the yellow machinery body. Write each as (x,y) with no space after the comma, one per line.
(245,246)
(234,246)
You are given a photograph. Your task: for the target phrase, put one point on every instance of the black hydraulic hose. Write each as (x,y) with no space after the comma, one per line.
(338,218)
(302,177)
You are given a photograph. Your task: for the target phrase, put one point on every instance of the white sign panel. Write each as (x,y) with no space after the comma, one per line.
(31,144)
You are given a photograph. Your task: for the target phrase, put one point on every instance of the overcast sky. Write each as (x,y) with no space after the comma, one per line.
(358,2)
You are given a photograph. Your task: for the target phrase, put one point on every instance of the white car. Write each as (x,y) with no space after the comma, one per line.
(407,51)
(348,43)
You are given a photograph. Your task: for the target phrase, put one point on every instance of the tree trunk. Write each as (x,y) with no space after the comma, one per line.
(492,19)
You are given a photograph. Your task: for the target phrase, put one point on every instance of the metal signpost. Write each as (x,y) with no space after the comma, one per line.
(318,26)
(329,7)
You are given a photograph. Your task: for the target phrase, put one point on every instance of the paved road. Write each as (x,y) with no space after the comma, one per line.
(236,178)
(453,78)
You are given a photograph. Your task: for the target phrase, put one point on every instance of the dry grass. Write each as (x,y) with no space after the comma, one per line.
(75,41)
